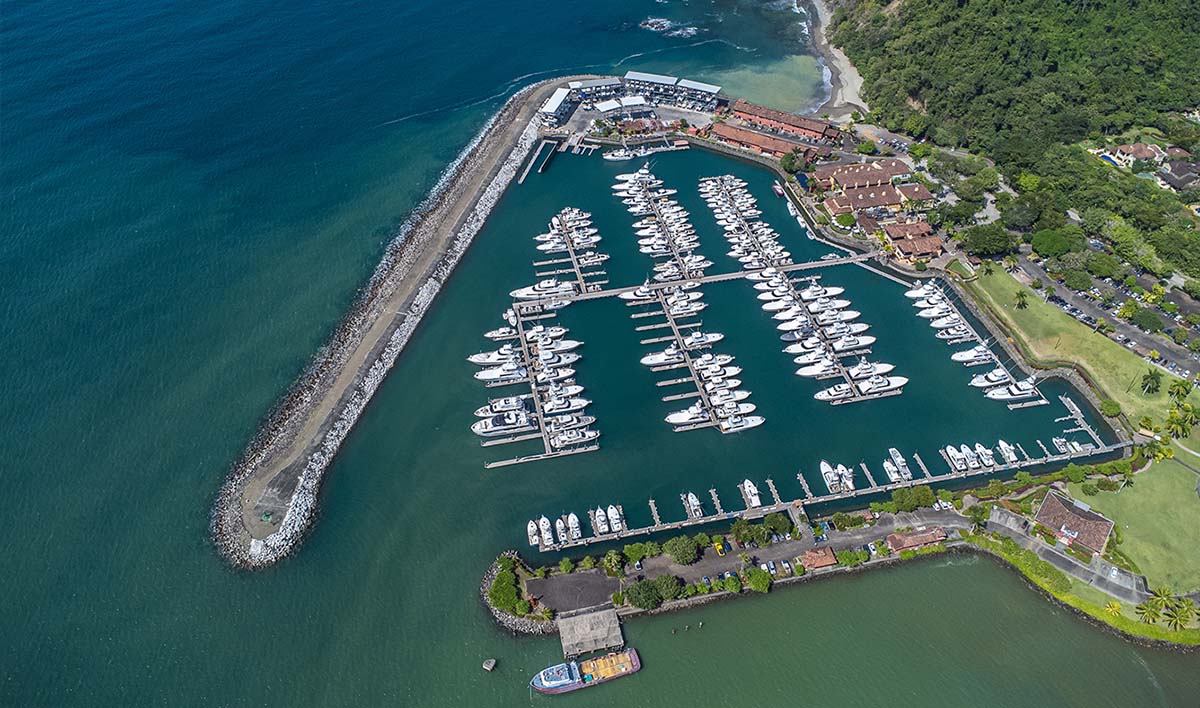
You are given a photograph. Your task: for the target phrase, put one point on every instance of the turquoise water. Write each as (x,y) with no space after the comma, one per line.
(191,196)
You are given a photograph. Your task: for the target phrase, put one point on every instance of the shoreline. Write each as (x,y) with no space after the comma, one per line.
(845,83)
(268,499)
(515,625)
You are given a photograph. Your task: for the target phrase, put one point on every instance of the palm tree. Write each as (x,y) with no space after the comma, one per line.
(1151,381)
(1146,423)
(1187,412)
(1187,606)
(1148,612)
(1179,390)
(1021,299)
(1176,619)
(1010,261)
(1175,425)
(1113,608)
(988,268)
(1162,596)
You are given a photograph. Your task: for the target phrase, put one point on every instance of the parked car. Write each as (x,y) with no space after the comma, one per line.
(771,567)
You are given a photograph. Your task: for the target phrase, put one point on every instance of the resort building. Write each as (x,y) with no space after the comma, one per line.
(758,142)
(557,107)
(650,84)
(631,106)
(779,121)
(815,558)
(697,91)
(1125,155)
(914,240)
(911,540)
(1073,522)
(596,89)
(860,174)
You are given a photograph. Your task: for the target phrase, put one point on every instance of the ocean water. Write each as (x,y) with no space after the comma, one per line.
(189,197)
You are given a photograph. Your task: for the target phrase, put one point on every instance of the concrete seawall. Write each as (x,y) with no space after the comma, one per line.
(269,497)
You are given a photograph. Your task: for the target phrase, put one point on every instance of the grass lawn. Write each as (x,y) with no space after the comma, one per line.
(1159,517)
(1052,335)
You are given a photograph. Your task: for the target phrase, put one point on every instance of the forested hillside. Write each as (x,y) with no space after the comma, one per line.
(1012,77)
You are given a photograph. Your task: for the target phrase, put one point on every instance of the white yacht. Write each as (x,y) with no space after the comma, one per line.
(866,369)
(721,384)
(559,406)
(816,292)
(531,529)
(922,291)
(1014,391)
(955,332)
(670,355)
(573,526)
(568,421)
(560,530)
(996,377)
(947,322)
(738,423)
(832,316)
(510,372)
(709,358)
(809,357)
(852,342)
(614,518)
(882,384)
(842,329)
(546,533)
(496,406)
(933,313)
(725,395)
(957,459)
(733,409)
(834,393)
(972,458)
(900,462)
(541,331)
(574,436)
(974,355)
(824,367)
(502,424)
(504,354)
(550,344)
(698,339)
(550,287)
(986,455)
(822,304)
(751,491)
(714,371)
(556,389)
(551,375)
(780,304)
(601,521)
(1008,452)
(499,333)
(695,413)
(889,468)
(693,505)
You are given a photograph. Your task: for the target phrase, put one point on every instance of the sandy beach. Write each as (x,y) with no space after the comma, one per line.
(845,91)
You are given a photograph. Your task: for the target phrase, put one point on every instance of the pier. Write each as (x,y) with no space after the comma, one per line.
(799,506)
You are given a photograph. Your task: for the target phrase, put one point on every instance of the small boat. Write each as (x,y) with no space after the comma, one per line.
(751,492)
(1008,452)
(560,529)
(601,520)
(693,505)
(996,377)
(1060,444)
(572,675)
(532,530)
(614,518)
(985,455)
(777,189)
(546,533)
(573,526)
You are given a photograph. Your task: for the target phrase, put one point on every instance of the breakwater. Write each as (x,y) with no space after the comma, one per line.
(269,497)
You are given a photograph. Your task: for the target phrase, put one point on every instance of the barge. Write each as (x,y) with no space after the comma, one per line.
(574,675)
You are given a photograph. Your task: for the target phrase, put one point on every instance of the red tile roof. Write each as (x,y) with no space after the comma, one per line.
(906,540)
(861,174)
(915,229)
(822,557)
(750,138)
(919,247)
(802,123)
(915,192)
(1074,524)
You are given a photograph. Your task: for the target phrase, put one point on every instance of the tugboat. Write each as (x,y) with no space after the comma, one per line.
(574,675)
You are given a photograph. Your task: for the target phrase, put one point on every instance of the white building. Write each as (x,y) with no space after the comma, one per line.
(557,107)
